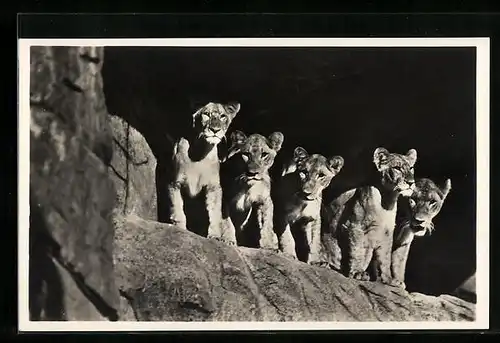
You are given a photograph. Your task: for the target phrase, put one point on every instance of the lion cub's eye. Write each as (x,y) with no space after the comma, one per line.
(433,203)
(412,203)
(223,117)
(321,175)
(265,155)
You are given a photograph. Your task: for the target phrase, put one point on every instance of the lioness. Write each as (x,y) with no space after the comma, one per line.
(247,192)
(195,167)
(362,220)
(298,199)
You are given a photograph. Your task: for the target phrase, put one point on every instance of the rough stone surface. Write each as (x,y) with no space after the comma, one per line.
(71,193)
(68,82)
(173,275)
(132,169)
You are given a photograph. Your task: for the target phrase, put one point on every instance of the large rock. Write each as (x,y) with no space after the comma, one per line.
(168,274)
(132,169)
(71,194)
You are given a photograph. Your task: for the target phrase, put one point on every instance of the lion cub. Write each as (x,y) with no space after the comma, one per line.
(298,200)
(195,167)
(247,193)
(362,220)
(415,215)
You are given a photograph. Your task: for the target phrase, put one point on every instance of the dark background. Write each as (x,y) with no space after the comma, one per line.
(344,101)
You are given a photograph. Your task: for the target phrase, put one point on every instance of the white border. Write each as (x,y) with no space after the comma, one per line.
(482,224)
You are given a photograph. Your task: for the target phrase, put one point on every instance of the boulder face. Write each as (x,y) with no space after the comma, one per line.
(168,274)
(132,168)
(71,193)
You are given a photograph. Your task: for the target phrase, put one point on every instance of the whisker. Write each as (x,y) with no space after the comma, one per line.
(405,223)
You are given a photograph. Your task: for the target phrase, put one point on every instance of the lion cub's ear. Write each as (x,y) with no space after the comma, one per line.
(380,156)
(299,154)
(336,163)
(232,109)
(411,156)
(237,138)
(446,188)
(275,140)
(197,113)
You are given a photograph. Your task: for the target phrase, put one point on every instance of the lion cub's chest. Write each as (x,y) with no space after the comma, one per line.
(299,210)
(249,195)
(195,175)
(372,216)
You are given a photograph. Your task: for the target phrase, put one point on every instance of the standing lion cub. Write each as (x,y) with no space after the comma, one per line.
(247,191)
(362,220)
(298,200)
(195,168)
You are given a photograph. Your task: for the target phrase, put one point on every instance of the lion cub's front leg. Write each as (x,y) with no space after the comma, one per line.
(357,254)
(286,241)
(213,202)
(382,257)
(176,204)
(398,265)
(313,236)
(268,239)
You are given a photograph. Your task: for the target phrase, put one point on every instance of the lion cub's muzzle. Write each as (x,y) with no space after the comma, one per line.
(213,134)
(253,176)
(307,195)
(405,188)
(421,227)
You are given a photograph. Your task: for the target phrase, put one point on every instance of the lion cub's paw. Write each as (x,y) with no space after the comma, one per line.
(397,283)
(288,255)
(179,224)
(322,264)
(388,281)
(269,243)
(230,242)
(361,276)
(215,238)
(270,248)
(227,241)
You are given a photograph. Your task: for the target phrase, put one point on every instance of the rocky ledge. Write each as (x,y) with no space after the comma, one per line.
(168,274)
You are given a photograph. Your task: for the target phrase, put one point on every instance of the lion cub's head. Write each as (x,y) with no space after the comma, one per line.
(396,170)
(212,121)
(257,153)
(424,204)
(315,172)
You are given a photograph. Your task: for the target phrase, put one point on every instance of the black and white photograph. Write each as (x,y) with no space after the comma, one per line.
(253,184)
